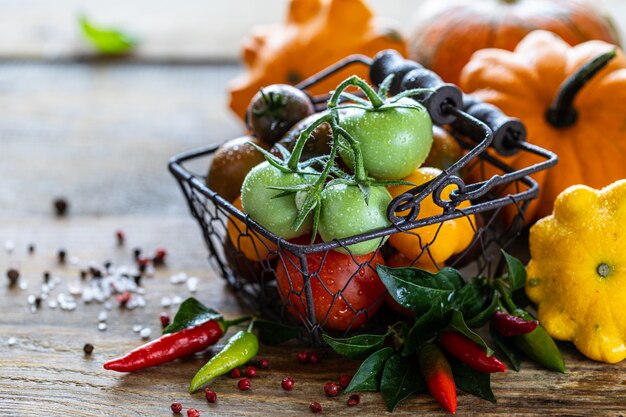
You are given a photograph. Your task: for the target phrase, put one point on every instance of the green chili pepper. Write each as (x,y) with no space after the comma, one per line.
(241,347)
(539,346)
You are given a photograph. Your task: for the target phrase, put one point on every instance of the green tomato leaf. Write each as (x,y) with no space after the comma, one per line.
(508,348)
(107,41)
(480,319)
(191,313)
(468,300)
(471,381)
(356,347)
(367,377)
(517,272)
(424,329)
(415,288)
(272,333)
(458,323)
(400,379)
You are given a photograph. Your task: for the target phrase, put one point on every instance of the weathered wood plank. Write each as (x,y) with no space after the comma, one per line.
(46,373)
(101,135)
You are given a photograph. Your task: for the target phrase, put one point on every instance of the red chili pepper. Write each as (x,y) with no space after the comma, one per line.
(470,353)
(438,375)
(169,347)
(509,325)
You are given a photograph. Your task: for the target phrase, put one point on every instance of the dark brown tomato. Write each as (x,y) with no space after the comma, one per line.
(445,150)
(230,165)
(318,144)
(275,109)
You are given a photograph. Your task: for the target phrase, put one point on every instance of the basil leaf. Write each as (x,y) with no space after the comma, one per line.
(400,379)
(517,272)
(480,319)
(107,41)
(358,346)
(458,323)
(272,333)
(507,347)
(424,329)
(191,313)
(367,377)
(415,288)
(471,381)
(468,300)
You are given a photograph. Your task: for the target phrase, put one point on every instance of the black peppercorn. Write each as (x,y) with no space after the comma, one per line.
(88,348)
(60,207)
(13,275)
(61,256)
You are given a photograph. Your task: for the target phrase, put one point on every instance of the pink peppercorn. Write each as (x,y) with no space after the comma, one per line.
(287,384)
(315,408)
(244,384)
(211,396)
(176,407)
(192,412)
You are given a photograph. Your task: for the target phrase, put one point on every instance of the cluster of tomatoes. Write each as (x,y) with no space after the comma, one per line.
(310,177)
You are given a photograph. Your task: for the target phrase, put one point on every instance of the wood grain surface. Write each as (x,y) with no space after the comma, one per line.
(46,373)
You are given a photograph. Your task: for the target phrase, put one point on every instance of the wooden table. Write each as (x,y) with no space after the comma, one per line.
(46,373)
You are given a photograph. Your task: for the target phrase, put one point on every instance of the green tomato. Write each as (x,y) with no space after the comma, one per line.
(344,213)
(394,141)
(275,214)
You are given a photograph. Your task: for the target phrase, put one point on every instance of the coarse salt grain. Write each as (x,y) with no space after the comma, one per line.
(145,333)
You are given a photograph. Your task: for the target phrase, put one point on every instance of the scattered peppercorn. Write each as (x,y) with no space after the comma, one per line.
(142,263)
(315,408)
(31,248)
(235,373)
(137,279)
(331,389)
(95,272)
(123,299)
(354,399)
(244,384)
(13,275)
(136,253)
(264,363)
(159,256)
(61,255)
(165,319)
(192,412)
(313,358)
(37,302)
(176,407)
(120,237)
(211,396)
(88,348)
(287,383)
(107,265)
(60,206)
(344,381)
(250,372)
(303,357)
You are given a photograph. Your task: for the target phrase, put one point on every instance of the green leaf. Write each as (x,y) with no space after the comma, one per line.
(191,313)
(517,272)
(356,347)
(107,41)
(452,275)
(272,333)
(400,379)
(415,288)
(483,316)
(471,381)
(458,323)
(367,377)
(468,300)
(508,348)
(424,329)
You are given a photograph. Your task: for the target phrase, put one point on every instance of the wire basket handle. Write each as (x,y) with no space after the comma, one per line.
(507,131)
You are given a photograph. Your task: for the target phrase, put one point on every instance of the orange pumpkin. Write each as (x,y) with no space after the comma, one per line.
(448,32)
(573,102)
(317,33)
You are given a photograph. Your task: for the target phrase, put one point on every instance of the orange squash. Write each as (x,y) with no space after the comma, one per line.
(447,32)
(573,102)
(317,33)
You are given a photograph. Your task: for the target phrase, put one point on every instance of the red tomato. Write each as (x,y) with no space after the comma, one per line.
(346,294)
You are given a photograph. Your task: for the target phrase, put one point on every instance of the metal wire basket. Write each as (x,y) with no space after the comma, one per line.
(285,279)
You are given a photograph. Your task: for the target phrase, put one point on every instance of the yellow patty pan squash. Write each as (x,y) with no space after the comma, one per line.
(577,272)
